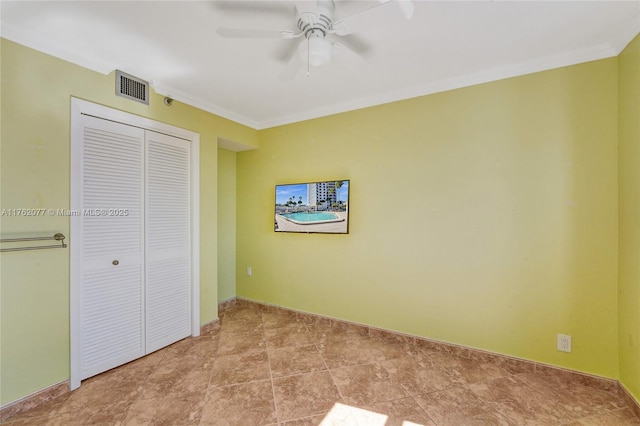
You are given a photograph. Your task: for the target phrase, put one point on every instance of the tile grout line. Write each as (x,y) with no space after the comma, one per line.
(213,364)
(533,390)
(407,395)
(139,391)
(139,398)
(423,409)
(324,361)
(273,388)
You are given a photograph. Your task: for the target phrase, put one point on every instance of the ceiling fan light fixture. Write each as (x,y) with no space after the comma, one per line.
(319,51)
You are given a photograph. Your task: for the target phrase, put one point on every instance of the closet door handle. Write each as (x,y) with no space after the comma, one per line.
(115,262)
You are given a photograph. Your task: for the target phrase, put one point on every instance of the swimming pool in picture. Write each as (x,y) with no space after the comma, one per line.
(312,218)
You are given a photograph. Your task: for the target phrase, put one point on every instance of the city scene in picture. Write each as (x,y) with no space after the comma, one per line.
(313,207)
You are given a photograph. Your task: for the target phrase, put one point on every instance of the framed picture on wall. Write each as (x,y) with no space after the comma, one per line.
(313,207)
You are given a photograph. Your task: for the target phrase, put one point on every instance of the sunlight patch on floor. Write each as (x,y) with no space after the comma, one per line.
(346,415)
(341,414)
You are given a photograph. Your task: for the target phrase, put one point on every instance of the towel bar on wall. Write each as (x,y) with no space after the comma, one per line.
(58,237)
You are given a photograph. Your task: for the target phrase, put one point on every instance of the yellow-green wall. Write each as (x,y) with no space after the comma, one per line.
(35,155)
(226,225)
(629,181)
(485,216)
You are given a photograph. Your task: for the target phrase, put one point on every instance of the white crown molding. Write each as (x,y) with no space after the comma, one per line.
(230,145)
(196,102)
(624,35)
(601,51)
(574,57)
(40,44)
(15,34)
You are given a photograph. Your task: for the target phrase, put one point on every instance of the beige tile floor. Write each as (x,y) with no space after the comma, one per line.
(266,367)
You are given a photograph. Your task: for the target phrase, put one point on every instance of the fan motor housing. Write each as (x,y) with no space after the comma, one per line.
(312,24)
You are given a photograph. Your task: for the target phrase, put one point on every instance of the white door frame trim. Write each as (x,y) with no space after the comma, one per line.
(81,107)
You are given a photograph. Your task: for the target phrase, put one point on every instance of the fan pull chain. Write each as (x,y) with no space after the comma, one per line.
(308,58)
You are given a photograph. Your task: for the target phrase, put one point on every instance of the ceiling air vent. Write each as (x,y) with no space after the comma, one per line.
(132,87)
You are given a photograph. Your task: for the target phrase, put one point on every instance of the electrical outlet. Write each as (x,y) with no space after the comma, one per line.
(564,343)
(249,271)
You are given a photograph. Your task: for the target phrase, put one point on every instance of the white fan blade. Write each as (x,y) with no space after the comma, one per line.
(291,69)
(247,33)
(406,7)
(256,7)
(384,11)
(307,6)
(348,56)
(353,42)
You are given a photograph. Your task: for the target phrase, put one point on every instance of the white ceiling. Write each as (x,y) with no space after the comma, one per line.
(447,44)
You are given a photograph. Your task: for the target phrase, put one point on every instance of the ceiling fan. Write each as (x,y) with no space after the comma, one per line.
(316,27)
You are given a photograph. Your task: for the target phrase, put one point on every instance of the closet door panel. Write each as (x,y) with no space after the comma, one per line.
(112,327)
(112,255)
(168,295)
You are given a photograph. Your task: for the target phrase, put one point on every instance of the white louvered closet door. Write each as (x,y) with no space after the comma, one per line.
(167,240)
(134,281)
(111,311)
